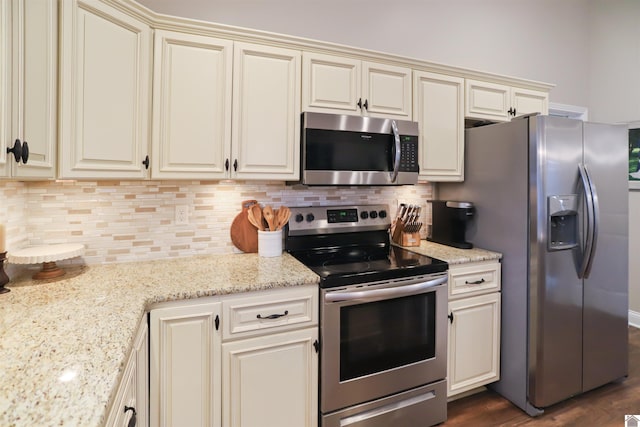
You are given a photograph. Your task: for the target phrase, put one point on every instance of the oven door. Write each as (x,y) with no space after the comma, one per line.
(382,338)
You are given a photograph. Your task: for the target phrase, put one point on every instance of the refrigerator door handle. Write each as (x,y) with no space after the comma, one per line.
(585,266)
(595,223)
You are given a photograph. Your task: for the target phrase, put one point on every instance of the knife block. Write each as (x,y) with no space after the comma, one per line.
(402,238)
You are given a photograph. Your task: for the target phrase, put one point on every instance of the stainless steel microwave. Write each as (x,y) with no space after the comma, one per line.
(354,150)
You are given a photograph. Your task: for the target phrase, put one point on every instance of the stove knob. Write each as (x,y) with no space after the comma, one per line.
(364,214)
(373,214)
(299,218)
(382,214)
(310,217)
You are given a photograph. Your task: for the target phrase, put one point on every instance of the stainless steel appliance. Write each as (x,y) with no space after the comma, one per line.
(551,195)
(355,150)
(383,319)
(449,221)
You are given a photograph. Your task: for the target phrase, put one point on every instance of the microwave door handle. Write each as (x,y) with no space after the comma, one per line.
(396,160)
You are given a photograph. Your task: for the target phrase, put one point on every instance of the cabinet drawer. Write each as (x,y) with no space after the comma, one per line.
(474,279)
(269,312)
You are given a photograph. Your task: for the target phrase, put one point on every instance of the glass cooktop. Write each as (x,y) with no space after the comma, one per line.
(352,265)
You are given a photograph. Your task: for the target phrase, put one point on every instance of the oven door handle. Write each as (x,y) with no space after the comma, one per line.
(397,291)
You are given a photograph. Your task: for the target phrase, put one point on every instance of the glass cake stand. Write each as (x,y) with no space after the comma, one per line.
(48,255)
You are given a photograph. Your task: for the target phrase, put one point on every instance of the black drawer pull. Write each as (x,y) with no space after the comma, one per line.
(132,420)
(477,282)
(273,316)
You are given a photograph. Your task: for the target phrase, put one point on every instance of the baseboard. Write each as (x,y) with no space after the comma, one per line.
(634,319)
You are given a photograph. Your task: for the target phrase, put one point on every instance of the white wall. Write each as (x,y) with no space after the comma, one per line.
(544,40)
(614,96)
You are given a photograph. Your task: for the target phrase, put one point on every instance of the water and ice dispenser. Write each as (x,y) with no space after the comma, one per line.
(562,222)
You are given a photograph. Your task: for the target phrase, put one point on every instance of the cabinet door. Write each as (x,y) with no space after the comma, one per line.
(141,351)
(5,87)
(266,112)
(184,366)
(105,92)
(387,90)
(330,84)
(271,380)
(133,390)
(191,106)
(31,70)
(487,101)
(438,106)
(474,343)
(526,101)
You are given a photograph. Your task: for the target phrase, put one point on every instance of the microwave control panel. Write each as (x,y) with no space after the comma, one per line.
(409,153)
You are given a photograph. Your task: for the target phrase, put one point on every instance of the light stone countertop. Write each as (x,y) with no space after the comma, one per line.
(64,343)
(453,255)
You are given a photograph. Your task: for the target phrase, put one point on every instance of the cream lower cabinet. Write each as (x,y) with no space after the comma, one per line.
(342,85)
(185,348)
(240,360)
(438,107)
(132,397)
(28,88)
(474,326)
(105,91)
(271,380)
(499,102)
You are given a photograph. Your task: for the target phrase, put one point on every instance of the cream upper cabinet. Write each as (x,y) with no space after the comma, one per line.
(191,106)
(474,326)
(526,101)
(438,107)
(28,88)
(499,102)
(105,92)
(185,365)
(334,84)
(266,113)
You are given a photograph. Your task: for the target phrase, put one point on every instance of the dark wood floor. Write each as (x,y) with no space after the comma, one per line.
(602,407)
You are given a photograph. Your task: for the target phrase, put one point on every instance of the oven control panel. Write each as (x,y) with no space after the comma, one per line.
(338,219)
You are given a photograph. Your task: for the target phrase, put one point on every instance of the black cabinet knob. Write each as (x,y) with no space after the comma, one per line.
(16,150)
(145,162)
(25,152)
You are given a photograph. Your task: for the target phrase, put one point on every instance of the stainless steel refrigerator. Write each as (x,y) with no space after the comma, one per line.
(551,195)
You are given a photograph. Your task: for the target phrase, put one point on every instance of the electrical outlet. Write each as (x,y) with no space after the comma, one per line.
(182,215)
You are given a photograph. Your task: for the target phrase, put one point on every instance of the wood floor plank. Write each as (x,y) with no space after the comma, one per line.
(603,407)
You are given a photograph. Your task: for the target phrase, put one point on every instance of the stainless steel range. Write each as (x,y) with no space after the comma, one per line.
(383,313)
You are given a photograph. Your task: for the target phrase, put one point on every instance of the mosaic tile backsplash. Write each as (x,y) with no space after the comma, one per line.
(122,221)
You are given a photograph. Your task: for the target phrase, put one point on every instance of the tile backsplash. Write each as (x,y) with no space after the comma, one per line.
(121,221)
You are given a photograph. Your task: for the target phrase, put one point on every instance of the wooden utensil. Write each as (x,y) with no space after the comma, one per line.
(284,213)
(267,212)
(244,235)
(255,213)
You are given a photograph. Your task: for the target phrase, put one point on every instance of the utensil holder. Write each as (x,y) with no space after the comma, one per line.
(402,237)
(270,243)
